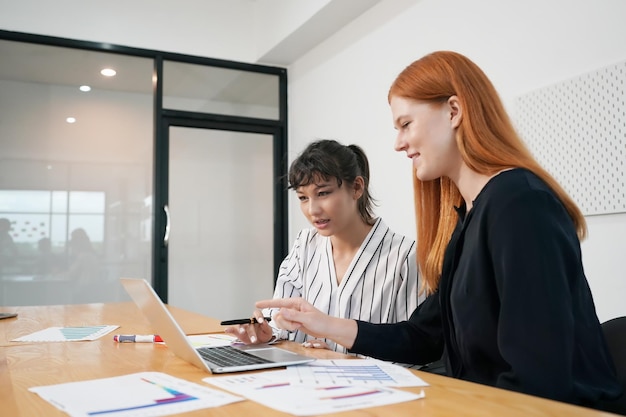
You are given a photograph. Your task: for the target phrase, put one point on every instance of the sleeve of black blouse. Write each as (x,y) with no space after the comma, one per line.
(536,254)
(417,341)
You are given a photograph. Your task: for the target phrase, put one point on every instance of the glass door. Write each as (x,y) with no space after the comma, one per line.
(220,220)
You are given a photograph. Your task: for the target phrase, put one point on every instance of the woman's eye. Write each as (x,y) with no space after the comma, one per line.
(323,193)
(302,198)
(405,125)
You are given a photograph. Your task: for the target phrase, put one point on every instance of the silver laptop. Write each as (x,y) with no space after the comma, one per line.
(213,359)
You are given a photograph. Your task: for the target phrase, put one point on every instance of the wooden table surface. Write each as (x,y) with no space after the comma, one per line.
(24,365)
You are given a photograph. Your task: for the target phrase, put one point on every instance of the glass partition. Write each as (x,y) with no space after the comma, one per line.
(84,171)
(76,169)
(203,89)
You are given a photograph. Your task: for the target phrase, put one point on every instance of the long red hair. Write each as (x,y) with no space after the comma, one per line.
(486,139)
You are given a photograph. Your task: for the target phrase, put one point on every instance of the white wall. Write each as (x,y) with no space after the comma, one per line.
(338,90)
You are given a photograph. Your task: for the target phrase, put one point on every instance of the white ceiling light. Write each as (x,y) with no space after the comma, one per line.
(108,72)
(85,88)
(71,120)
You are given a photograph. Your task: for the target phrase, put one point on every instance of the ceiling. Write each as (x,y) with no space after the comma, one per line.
(34,63)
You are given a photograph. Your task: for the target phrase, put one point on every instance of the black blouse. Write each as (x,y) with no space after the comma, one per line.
(513,309)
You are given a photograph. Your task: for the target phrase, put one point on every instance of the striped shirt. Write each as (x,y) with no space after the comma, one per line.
(379,286)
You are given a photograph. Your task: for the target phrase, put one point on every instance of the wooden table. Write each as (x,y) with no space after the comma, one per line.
(24,365)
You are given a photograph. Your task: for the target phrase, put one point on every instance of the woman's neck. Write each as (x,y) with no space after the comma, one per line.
(351,238)
(346,245)
(470,184)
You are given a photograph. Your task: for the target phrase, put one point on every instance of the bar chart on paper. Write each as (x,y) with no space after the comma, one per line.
(144,394)
(340,375)
(285,390)
(354,372)
(67,334)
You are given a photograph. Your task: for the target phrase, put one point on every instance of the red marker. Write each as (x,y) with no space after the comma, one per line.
(137,338)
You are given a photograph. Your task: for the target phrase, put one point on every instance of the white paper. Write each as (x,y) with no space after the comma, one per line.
(303,400)
(213,339)
(67,334)
(367,372)
(241,382)
(294,390)
(144,394)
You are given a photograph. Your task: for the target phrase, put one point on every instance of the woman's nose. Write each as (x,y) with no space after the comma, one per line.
(314,207)
(399,144)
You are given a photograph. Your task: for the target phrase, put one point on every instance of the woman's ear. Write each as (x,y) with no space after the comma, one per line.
(358,187)
(456,111)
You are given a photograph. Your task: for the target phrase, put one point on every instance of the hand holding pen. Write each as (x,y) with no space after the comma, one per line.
(251,320)
(251,330)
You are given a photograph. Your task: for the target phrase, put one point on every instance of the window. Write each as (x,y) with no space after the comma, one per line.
(50,215)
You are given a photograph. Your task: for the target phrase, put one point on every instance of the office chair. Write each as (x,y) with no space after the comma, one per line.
(615,334)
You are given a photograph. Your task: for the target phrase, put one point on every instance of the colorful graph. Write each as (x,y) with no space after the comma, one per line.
(353,372)
(347,374)
(67,334)
(80,333)
(350,394)
(300,391)
(176,397)
(144,394)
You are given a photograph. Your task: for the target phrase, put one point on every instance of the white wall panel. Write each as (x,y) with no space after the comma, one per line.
(577,131)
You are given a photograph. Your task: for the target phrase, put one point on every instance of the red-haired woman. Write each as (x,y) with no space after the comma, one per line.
(498,251)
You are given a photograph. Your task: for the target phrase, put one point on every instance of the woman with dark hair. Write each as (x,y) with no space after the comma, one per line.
(349,264)
(498,250)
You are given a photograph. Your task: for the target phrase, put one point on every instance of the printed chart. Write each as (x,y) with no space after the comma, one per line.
(346,372)
(145,394)
(67,334)
(325,386)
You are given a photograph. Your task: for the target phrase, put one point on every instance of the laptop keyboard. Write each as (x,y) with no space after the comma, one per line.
(229,356)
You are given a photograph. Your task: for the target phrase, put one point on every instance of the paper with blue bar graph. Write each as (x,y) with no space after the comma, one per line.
(367,372)
(67,334)
(325,386)
(144,394)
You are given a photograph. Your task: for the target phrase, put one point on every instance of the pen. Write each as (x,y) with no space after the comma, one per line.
(137,338)
(251,320)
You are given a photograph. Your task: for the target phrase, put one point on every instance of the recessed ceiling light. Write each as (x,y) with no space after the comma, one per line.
(85,88)
(108,72)
(71,120)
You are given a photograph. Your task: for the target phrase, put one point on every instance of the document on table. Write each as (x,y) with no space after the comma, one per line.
(367,372)
(144,394)
(67,334)
(212,339)
(293,391)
